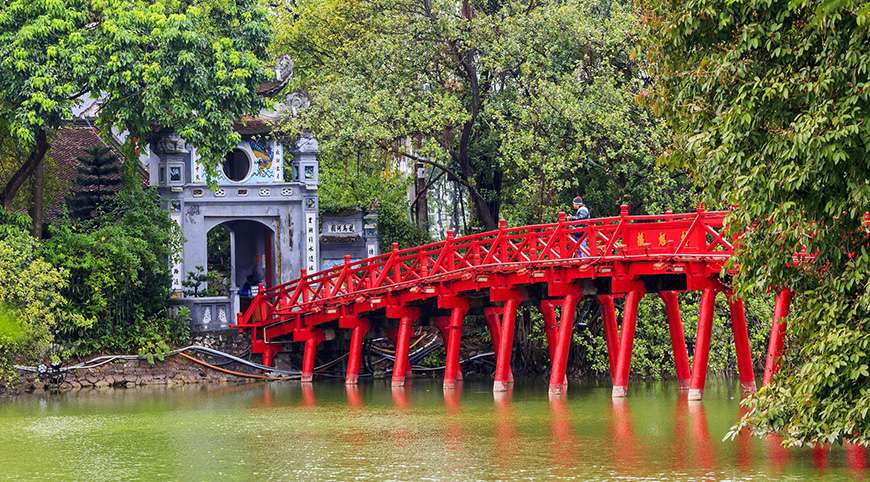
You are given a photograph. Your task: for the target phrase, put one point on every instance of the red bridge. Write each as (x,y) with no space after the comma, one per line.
(550,265)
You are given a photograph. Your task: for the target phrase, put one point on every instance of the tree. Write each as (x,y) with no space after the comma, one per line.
(190,66)
(98,179)
(523,104)
(769,104)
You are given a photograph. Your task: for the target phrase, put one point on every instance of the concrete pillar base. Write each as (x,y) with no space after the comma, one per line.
(619,392)
(498,386)
(559,389)
(696,394)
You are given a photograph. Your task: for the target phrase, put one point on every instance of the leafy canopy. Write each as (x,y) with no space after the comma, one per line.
(190,66)
(770,101)
(525,104)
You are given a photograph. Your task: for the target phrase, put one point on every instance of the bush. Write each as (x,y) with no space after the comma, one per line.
(120,278)
(31,299)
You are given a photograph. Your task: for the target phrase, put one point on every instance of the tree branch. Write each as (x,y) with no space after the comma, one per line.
(33,161)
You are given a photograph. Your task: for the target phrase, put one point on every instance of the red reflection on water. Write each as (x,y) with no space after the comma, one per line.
(564,445)
(265,400)
(401,400)
(778,455)
(308,399)
(820,456)
(680,442)
(354,398)
(705,451)
(452,397)
(453,433)
(624,439)
(505,425)
(744,443)
(856,457)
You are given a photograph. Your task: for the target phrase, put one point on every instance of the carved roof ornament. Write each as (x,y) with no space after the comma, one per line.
(284,68)
(297,102)
(169,142)
(283,72)
(306,142)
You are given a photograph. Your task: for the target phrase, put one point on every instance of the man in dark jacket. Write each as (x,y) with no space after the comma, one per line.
(581,212)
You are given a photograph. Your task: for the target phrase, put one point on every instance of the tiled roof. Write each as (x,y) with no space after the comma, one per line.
(68,145)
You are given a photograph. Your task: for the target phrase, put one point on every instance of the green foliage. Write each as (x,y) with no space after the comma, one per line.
(31,299)
(526,105)
(769,102)
(119,275)
(200,283)
(190,66)
(370,186)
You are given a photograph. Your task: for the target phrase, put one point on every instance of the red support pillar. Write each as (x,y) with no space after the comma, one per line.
(678,340)
(702,344)
(493,316)
(741,343)
(503,374)
(777,334)
(559,362)
(308,357)
(629,322)
(401,365)
(354,354)
(267,350)
(548,311)
(611,331)
(452,369)
(269,257)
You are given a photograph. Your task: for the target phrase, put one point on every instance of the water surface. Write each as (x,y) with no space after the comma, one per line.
(291,431)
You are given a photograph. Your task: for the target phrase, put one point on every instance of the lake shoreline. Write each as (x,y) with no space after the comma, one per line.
(124,374)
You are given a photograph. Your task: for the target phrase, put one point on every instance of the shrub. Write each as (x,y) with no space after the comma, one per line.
(31,299)
(119,274)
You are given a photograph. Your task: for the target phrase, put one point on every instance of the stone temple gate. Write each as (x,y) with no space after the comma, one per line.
(270,217)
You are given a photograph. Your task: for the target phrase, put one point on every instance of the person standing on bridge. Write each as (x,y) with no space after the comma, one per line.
(581,212)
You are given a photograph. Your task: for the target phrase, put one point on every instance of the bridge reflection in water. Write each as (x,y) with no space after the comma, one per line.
(649,435)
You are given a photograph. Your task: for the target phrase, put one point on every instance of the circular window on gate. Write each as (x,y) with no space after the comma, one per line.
(236,165)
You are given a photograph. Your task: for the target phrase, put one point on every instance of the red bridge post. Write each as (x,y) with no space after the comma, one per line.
(611,331)
(559,361)
(494,316)
(678,340)
(777,334)
(511,299)
(551,330)
(629,322)
(702,344)
(312,339)
(354,354)
(458,308)
(407,316)
(741,343)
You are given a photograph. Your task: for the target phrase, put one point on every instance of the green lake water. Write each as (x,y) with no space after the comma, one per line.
(287,431)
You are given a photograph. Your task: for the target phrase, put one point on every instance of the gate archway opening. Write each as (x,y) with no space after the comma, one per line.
(243,251)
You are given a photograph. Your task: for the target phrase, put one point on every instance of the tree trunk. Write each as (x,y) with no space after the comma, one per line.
(37,188)
(23,173)
(421,213)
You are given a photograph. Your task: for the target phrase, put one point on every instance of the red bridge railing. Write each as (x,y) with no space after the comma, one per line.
(625,237)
